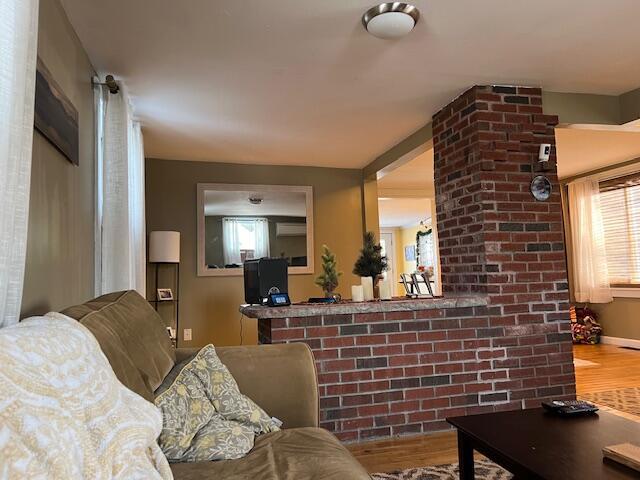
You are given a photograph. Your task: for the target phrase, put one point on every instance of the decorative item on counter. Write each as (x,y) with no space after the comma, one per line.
(328,279)
(584,326)
(384,288)
(367,286)
(371,262)
(357,293)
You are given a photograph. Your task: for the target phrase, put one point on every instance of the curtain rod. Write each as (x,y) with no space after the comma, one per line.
(110,83)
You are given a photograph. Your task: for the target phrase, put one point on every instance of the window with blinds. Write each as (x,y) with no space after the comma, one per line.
(620,204)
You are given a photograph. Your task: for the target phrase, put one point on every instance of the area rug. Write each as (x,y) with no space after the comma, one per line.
(625,399)
(578,362)
(485,470)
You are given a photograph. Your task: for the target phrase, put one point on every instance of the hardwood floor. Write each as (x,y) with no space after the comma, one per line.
(408,452)
(615,368)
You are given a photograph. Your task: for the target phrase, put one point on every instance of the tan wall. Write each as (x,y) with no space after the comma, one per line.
(582,107)
(60,246)
(398,289)
(630,106)
(370,205)
(407,237)
(620,317)
(209,305)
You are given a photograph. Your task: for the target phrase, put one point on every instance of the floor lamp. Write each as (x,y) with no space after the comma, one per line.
(164,249)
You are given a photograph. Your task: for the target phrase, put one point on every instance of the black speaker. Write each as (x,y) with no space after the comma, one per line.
(264,276)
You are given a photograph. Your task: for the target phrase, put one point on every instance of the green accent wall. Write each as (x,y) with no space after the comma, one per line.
(582,108)
(209,305)
(60,244)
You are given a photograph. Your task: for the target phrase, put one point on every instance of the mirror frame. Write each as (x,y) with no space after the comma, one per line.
(204,271)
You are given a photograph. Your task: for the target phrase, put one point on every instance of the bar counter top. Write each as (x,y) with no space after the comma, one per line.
(348,307)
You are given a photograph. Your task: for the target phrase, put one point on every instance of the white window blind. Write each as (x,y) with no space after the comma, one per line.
(620,203)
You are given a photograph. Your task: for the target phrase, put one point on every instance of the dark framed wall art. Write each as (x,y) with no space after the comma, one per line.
(55,116)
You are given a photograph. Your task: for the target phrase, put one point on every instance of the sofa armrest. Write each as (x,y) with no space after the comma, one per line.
(280,378)
(184,353)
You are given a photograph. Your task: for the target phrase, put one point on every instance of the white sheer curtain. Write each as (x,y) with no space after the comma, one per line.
(261,228)
(231,241)
(18,49)
(590,276)
(120,198)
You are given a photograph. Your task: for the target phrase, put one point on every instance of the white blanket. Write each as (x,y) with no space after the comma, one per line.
(63,412)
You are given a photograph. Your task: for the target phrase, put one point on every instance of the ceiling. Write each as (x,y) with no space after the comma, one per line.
(288,204)
(404,193)
(416,174)
(582,150)
(295,82)
(403,212)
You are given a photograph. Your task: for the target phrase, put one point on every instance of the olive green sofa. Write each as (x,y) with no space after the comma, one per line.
(280,378)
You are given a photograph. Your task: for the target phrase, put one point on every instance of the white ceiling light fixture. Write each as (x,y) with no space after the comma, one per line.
(390,20)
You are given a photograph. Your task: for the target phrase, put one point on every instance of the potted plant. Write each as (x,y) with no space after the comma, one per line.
(371,262)
(328,279)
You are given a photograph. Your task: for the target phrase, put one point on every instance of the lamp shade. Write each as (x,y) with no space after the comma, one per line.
(164,247)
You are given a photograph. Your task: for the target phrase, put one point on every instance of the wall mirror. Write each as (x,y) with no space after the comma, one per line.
(244,222)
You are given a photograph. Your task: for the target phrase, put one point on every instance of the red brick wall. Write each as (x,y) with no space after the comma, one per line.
(384,374)
(497,239)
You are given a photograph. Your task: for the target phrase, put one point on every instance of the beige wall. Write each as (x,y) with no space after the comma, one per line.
(209,305)
(582,107)
(620,318)
(630,106)
(370,217)
(60,246)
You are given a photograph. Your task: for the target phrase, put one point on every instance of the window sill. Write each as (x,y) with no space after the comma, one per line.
(621,292)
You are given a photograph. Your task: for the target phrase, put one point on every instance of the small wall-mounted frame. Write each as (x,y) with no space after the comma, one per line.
(238,222)
(165,294)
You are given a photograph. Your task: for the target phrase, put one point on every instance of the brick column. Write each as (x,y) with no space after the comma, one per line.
(495,238)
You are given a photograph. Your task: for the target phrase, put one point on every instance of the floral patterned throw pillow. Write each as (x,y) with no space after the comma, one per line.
(205,417)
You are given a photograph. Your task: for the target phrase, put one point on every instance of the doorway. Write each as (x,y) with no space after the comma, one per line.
(387,242)
(406,215)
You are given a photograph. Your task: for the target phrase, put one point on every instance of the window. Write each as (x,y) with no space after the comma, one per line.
(244,239)
(620,204)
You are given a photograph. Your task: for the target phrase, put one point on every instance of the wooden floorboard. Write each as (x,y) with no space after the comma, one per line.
(410,452)
(616,368)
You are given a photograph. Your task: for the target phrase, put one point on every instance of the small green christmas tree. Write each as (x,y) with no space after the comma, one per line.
(328,279)
(371,262)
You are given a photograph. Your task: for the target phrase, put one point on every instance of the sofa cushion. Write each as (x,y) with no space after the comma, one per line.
(294,454)
(204,415)
(132,336)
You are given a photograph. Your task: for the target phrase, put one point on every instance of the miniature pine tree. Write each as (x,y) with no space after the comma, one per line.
(371,262)
(328,279)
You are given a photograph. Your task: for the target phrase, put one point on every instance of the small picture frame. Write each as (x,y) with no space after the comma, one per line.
(410,253)
(165,294)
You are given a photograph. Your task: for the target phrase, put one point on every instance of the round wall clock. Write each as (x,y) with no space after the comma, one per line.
(541,188)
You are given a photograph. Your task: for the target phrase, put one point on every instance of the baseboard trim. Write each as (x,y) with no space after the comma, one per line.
(620,342)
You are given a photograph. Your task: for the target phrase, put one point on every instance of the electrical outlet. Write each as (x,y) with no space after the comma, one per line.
(186,334)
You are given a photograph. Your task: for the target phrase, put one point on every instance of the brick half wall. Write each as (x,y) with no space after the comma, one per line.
(397,373)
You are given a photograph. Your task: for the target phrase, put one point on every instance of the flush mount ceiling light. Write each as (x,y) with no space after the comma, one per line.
(390,20)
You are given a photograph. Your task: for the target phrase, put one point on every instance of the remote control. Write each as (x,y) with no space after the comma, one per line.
(570,407)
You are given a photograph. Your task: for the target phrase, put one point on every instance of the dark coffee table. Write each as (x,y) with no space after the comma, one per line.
(533,444)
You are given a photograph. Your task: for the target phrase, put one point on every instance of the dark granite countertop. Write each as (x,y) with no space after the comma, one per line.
(394,305)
